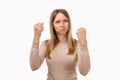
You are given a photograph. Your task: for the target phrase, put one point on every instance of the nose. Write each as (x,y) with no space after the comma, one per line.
(62,24)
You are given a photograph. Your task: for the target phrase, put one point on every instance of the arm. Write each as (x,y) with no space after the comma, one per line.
(37,54)
(83,59)
(83,53)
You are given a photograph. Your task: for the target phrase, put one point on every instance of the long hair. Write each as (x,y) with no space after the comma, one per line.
(51,44)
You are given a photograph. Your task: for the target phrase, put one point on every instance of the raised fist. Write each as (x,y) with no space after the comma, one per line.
(38,28)
(81,34)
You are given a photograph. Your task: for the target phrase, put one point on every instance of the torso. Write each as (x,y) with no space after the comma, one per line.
(62,66)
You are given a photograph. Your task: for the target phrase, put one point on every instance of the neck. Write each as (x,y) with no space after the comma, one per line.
(62,38)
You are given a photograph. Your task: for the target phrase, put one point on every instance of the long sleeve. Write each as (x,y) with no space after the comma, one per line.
(83,59)
(37,55)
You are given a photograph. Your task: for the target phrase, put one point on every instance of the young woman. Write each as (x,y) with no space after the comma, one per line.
(63,53)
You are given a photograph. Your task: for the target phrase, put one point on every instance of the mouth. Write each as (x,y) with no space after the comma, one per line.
(62,29)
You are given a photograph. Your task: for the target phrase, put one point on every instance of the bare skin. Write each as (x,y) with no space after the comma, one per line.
(61,24)
(81,34)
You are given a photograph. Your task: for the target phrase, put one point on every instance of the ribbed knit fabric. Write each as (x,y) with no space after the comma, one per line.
(61,66)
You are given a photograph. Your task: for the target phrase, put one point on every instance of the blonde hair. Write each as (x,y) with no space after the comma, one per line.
(51,44)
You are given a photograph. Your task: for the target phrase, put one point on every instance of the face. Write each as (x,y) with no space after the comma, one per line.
(61,24)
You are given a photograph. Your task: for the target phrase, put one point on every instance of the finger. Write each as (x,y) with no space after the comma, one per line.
(82,28)
(40,25)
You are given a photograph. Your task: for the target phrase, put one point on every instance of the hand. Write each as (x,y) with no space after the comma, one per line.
(38,28)
(81,34)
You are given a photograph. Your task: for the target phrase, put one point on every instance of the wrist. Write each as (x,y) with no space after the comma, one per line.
(83,43)
(36,40)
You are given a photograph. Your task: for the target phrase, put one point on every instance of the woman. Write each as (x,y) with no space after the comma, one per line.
(63,53)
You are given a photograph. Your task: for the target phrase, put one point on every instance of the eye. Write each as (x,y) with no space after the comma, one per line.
(58,21)
(65,20)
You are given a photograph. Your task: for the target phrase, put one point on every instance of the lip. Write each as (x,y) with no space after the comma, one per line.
(62,29)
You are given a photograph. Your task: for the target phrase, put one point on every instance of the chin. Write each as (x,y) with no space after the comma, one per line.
(63,33)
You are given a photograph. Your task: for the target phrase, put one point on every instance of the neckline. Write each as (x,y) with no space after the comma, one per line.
(62,38)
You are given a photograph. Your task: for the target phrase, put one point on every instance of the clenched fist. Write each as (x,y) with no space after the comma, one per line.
(38,28)
(81,34)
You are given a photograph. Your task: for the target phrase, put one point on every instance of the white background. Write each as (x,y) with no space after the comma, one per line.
(101,18)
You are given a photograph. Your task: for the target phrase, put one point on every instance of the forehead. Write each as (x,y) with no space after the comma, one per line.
(60,16)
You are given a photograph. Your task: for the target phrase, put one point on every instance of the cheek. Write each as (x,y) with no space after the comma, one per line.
(67,27)
(56,28)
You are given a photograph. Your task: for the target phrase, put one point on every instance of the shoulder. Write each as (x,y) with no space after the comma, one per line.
(45,42)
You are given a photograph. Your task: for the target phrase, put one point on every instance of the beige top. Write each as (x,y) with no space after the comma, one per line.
(61,66)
